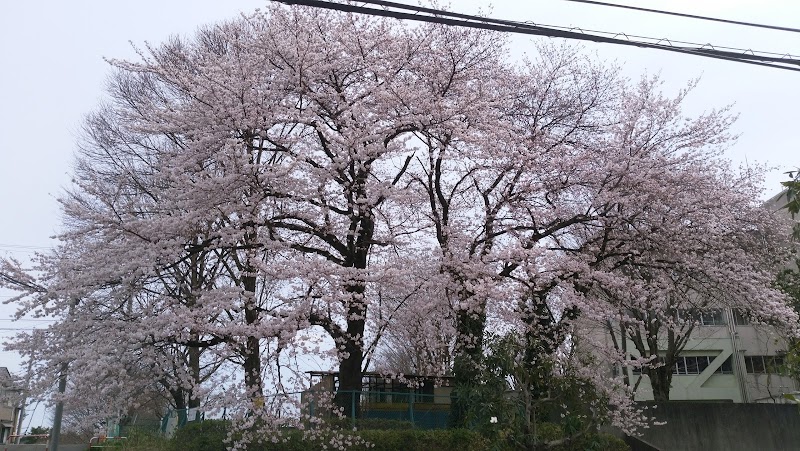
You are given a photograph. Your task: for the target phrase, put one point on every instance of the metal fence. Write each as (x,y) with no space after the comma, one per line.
(365,409)
(422,411)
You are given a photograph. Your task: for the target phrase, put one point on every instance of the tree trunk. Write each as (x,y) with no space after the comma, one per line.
(544,335)
(252,348)
(193,352)
(348,396)
(660,381)
(466,364)
(179,398)
(194,368)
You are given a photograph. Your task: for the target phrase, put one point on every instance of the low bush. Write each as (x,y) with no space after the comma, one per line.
(210,436)
(423,440)
(553,433)
(206,435)
(141,439)
(386,440)
(382,424)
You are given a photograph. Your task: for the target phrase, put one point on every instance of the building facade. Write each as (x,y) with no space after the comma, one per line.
(726,359)
(10,410)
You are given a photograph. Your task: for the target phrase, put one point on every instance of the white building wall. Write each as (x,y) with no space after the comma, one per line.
(737,342)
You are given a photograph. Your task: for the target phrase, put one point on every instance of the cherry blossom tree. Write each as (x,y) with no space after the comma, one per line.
(296,172)
(697,239)
(505,214)
(415,333)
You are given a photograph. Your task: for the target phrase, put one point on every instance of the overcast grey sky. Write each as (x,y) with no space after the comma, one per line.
(52,73)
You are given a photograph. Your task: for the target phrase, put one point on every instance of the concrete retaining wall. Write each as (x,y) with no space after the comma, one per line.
(694,426)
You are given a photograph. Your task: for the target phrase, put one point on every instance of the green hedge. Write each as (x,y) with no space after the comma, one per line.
(210,436)
(421,440)
(589,442)
(206,435)
(382,424)
(393,440)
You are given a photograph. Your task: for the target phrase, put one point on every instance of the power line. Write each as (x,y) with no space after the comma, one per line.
(22,249)
(18,250)
(28,319)
(705,48)
(464,20)
(24,246)
(691,16)
(31,416)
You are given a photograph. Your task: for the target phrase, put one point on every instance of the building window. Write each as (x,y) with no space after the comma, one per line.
(711,318)
(763,364)
(740,318)
(691,364)
(688,365)
(695,364)
(726,367)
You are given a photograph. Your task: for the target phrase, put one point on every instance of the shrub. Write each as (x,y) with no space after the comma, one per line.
(206,435)
(423,440)
(550,432)
(210,435)
(382,424)
(144,439)
(36,430)
(392,440)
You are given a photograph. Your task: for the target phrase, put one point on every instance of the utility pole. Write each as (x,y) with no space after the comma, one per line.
(55,434)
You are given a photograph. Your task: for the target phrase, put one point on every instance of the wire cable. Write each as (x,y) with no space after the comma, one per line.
(24,246)
(691,16)
(464,20)
(28,319)
(30,417)
(744,52)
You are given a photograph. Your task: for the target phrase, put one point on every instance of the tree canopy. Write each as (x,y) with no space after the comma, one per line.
(304,183)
